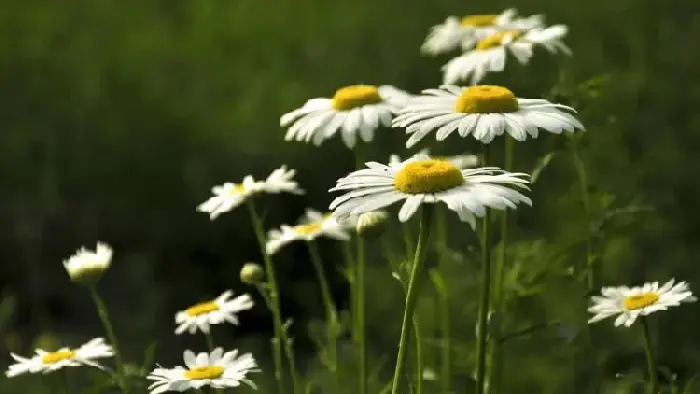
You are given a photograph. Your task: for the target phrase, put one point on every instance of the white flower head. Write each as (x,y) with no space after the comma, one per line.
(355,109)
(461,161)
(87,266)
(484,111)
(45,362)
(228,196)
(629,303)
(217,369)
(220,310)
(491,52)
(313,224)
(467,31)
(421,179)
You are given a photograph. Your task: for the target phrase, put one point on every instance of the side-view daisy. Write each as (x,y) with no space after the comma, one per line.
(629,303)
(87,266)
(217,369)
(230,195)
(312,225)
(217,311)
(422,179)
(461,161)
(484,111)
(45,362)
(468,30)
(491,52)
(355,109)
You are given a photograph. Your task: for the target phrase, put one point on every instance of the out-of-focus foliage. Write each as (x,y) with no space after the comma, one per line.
(116,117)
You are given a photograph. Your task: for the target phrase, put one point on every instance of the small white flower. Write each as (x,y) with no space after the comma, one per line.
(356,109)
(420,180)
(313,224)
(218,370)
(230,195)
(217,311)
(491,52)
(631,302)
(484,111)
(86,266)
(467,31)
(46,362)
(461,161)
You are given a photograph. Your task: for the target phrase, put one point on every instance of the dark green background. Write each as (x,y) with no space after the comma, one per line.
(116,118)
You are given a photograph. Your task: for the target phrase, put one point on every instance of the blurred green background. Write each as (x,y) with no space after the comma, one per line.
(116,118)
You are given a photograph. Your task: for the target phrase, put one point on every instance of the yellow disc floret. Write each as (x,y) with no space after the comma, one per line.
(200,309)
(486,99)
(640,301)
(478,20)
(427,177)
(202,373)
(497,39)
(53,358)
(355,96)
(306,229)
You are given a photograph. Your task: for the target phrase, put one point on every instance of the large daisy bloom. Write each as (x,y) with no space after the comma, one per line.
(484,111)
(230,195)
(491,52)
(217,369)
(468,30)
(422,179)
(461,161)
(45,362)
(356,109)
(217,311)
(87,266)
(313,224)
(628,303)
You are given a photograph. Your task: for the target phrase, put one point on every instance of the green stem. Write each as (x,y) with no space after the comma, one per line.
(582,174)
(419,356)
(210,340)
(331,313)
(66,381)
(273,295)
(407,241)
(651,361)
(414,284)
(360,288)
(498,304)
(349,261)
(444,312)
(484,305)
(109,329)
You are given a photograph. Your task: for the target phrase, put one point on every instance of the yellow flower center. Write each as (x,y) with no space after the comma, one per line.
(640,301)
(202,308)
(478,20)
(53,358)
(201,373)
(496,39)
(428,176)
(355,96)
(306,229)
(237,188)
(486,99)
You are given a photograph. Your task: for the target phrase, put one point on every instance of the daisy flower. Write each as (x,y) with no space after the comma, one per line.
(86,266)
(490,52)
(628,303)
(230,195)
(45,362)
(484,111)
(217,369)
(356,109)
(467,31)
(422,179)
(461,161)
(217,311)
(314,224)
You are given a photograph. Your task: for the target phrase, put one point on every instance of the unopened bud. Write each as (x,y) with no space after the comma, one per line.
(371,224)
(252,274)
(87,266)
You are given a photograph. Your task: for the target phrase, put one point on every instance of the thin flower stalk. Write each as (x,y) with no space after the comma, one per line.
(444,313)
(651,360)
(484,299)
(109,329)
(360,292)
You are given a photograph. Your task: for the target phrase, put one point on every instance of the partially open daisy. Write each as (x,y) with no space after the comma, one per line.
(87,266)
(45,362)
(467,31)
(217,311)
(484,111)
(490,53)
(355,109)
(461,161)
(218,370)
(230,195)
(422,179)
(628,303)
(313,224)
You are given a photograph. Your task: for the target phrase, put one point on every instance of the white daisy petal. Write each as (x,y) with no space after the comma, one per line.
(202,316)
(46,362)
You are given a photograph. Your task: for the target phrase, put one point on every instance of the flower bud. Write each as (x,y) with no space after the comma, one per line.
(252,274)
(87,266)
(371,224)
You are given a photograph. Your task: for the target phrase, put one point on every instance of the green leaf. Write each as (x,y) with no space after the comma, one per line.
(690,382)
(149,357)
(540,165)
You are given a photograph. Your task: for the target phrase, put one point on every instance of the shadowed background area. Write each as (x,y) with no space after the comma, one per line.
(117,117)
